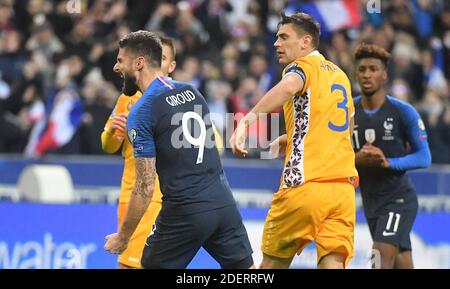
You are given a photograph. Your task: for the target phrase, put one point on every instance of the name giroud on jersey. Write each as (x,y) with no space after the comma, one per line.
(180,98)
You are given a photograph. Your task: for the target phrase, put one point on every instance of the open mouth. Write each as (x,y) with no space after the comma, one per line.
(367,85)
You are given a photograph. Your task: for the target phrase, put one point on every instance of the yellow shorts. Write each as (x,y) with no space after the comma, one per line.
(315,211)
(132,255)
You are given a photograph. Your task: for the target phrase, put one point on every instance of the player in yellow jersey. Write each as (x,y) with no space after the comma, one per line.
(113,138)
(316,200)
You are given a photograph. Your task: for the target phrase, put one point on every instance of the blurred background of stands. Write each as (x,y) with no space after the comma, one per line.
(57,83)
(51,55)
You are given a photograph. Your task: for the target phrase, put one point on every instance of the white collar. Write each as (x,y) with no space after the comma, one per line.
(314,53)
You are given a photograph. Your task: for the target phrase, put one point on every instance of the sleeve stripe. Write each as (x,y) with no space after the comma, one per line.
(297,69)
(302,75)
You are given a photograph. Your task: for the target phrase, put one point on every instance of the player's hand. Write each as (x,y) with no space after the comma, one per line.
(119,123)
(277,148)
(371,155)
(114,244)
(237,140)
(378,154)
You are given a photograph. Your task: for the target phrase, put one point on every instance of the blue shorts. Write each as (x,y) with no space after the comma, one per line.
(175,240)
(393,223)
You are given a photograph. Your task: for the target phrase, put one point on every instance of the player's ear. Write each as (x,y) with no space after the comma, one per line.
(385,73)
(172,66)
(307,41)
(139,63)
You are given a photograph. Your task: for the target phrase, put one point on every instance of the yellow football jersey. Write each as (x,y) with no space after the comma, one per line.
(317,123)
(124,105)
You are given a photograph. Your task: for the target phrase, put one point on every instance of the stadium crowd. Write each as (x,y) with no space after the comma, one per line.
(51,55)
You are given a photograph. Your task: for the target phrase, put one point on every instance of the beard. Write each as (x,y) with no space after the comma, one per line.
(129,87)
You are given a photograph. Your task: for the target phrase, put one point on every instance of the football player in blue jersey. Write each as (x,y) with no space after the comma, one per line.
(172,135)
(389,139)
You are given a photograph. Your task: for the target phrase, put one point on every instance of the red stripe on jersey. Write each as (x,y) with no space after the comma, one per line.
(166,83)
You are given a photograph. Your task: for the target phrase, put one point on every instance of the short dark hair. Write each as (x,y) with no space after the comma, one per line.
(144,43)
(372,51)
(168,41)
(304,22)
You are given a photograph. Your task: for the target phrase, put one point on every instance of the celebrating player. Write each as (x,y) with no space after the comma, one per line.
(172,134)
(113,138)
(390,139)
(316,198)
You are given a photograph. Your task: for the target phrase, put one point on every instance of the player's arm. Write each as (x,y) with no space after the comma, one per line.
(420,156)
(140,199)
(289,85)
(140,128)
(110,142)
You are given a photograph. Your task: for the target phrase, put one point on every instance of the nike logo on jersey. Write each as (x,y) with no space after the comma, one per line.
(387,234)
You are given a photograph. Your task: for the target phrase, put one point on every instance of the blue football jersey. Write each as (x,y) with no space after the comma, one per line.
(171,123)
(397,129)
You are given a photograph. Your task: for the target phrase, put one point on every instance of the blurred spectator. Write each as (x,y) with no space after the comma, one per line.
(44,40)
(60,19)
(230,72)
(18,114)
(6,12)
(213,15)
(423,14)
(385,36)
(230,51)
(31,12)
(12,56)
(189,72)
(163,18)
(99,99)
(405,64)
(341,54)
(218,93)
(210,72)
(246,96)
(437,121)
(258,69)
(187,23)
(400,16)
(79,40)
(63,114)
(443,32)
(401,90)
(433,75)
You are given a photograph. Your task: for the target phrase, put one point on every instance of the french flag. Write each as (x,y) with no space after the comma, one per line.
(64,111)
(331,14)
